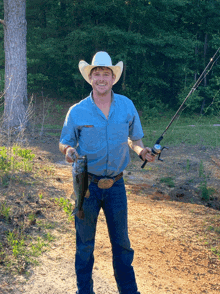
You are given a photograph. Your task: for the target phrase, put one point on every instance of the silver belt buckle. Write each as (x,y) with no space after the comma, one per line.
(105,183)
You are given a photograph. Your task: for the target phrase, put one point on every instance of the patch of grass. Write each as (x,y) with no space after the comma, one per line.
(5,211)
(206,192)
(40,195)
(46,225)
(22,243)
(168,181)
(23,251)
(48,237)
(32,217)
(214,229)
(36,248)
(15,159)
(216,251)
(49,126)
(17,245)
(201,169)
(66,205)
(187,165)
(187,129)
(53,134)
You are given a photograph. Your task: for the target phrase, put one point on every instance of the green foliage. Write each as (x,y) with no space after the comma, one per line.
(18,246)
(168,181)
(188,129)
(15,158)
(24,153)
(66,205)
(206,192)
(5,211)
(37,247)
(165,45)
(161,43)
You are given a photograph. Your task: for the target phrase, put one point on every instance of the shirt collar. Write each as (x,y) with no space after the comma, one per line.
(91,99)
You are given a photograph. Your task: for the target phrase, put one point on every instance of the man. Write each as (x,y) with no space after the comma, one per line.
(102,126)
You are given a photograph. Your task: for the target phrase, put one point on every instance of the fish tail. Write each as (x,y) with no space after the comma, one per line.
(80,214)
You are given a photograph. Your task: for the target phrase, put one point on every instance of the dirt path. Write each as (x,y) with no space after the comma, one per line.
(171,229)
(171,240)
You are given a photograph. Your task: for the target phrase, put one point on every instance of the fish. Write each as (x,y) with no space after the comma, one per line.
(80,184)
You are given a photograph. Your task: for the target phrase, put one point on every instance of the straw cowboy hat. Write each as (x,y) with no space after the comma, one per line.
(100,59)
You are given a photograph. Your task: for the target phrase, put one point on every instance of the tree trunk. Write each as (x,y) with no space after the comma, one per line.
(15,30)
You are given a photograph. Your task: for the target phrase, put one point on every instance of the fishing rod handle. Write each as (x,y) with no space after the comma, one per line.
(145,162)
(155,151)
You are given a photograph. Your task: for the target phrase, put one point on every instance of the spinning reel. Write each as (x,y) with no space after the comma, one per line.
(156,151)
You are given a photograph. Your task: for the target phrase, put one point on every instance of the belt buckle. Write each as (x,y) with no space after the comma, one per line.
(105,183)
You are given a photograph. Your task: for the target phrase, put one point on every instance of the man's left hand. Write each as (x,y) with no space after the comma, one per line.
(147,155)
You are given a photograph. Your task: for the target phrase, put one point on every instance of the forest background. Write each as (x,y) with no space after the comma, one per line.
(164,44)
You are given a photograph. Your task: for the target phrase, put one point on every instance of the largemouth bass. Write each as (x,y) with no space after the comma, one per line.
(80,184)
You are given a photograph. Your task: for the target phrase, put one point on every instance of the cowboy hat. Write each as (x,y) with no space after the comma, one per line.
(100,59)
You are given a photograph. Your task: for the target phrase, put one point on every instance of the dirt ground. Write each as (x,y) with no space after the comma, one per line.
(174,233)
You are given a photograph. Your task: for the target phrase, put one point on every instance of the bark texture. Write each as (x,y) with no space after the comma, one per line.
(15,30)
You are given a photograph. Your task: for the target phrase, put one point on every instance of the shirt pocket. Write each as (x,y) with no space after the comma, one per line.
(92,138)
(119,133)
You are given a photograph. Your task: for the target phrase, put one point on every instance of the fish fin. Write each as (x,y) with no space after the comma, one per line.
(75,210)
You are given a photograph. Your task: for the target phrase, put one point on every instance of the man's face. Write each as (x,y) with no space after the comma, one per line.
(102,80)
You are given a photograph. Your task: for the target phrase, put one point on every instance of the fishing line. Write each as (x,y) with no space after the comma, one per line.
(157,149)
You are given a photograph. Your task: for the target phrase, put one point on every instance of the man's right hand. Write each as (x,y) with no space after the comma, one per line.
(71,154)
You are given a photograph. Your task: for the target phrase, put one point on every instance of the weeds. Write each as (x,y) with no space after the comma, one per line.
(201,169)
(216,251)
(168,181)
(40,195)
(187,165)
(66,205)
(18,246)
(214,229)
(15,159)
(4,211)
(32,217)
(206,192)
(22,250)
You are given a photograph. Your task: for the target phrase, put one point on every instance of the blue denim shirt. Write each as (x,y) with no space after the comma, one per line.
(104,141)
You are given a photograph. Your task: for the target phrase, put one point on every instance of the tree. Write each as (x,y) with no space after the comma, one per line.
(15,96)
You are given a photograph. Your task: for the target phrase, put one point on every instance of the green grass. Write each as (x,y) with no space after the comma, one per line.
(181,131)
(5,211)
(66,206)
(49,126)
(16,250)
(168,181)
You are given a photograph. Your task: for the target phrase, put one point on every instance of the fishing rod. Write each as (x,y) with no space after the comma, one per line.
(157,149)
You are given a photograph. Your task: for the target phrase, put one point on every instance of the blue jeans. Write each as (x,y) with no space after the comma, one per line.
(113,201)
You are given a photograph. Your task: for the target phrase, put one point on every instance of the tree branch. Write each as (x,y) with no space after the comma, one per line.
(2,21)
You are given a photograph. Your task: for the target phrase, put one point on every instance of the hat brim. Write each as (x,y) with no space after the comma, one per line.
(86,68)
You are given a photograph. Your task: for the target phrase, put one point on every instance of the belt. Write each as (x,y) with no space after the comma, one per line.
(105,183)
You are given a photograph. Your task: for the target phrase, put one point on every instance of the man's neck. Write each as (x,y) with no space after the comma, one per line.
(102,98)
